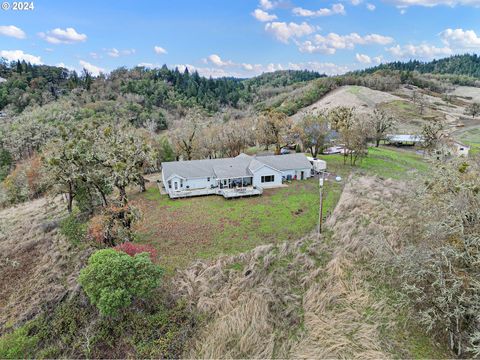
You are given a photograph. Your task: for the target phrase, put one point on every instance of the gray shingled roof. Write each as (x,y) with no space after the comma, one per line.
(233,168)
(240,166)
(286,162)
(255,165)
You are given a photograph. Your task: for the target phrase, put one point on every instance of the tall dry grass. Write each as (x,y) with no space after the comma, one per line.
(38,266)
(307,299)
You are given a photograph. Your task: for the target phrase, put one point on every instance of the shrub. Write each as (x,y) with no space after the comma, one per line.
(73,229)
(113,226)
(135,249)
(5,163)
(25,182)
(113,279)
(440,273)
(18,344)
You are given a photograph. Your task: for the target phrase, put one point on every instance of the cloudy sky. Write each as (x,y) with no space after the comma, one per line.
(238,37)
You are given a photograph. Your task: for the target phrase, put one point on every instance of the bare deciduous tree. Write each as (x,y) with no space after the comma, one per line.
(312,130)
(382,122)
(274,128)
(431,134)
(185,139)
(473,110)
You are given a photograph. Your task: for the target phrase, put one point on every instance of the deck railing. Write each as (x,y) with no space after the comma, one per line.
(226,193)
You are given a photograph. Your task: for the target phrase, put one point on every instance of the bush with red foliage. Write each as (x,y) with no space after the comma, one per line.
(134,249)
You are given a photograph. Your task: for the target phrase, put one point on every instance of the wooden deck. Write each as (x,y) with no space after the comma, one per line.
(235,193)
(226,193)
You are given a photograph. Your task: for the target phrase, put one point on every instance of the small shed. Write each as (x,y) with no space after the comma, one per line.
(461,149)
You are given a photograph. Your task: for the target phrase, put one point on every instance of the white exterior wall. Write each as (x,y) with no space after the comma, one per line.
(293,173)
(174,179)
(462,150)
(200,183)
(263,171)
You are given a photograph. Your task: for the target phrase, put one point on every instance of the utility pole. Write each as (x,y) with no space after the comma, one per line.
(320,210)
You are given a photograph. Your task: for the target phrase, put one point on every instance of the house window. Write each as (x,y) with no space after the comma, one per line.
(208,179)
(181,183)
(169,184)
(268,178)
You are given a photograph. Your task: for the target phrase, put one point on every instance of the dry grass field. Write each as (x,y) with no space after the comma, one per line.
(37,265)
(312,298)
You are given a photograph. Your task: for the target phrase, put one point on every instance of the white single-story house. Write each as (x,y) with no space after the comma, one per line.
(232,177)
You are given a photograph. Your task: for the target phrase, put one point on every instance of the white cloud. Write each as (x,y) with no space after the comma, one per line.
(356,2)
(12,31)
(432,3)
(336,9)
(14,55)
(209,71)
(217,61)
(149,65)
(113,52)
(95,70)
(460,39)
(312,47)
(422,51)
(284,31)
(266,4)
(364,59)
(159,50)
(62,65)
(371,7)
(252,67)
(263,16)
(378,59)
(117,53)
(330,43)
(243,70)
(61,36)
(323,68)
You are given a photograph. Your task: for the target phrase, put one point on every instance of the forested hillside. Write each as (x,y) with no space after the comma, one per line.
(466,65)
(30,85)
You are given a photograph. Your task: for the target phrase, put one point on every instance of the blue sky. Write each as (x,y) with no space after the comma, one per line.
(239,37)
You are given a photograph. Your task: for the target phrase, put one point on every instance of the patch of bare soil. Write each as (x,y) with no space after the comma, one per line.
(467,93)
(362,98)
(38,267)
(308,299)
(177,231)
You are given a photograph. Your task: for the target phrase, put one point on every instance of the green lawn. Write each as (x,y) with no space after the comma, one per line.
(206,227)
(386,162)
(471,137)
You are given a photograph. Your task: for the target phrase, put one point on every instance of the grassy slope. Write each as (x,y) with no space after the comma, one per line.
(315,298)
(207,227)
(471,137)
